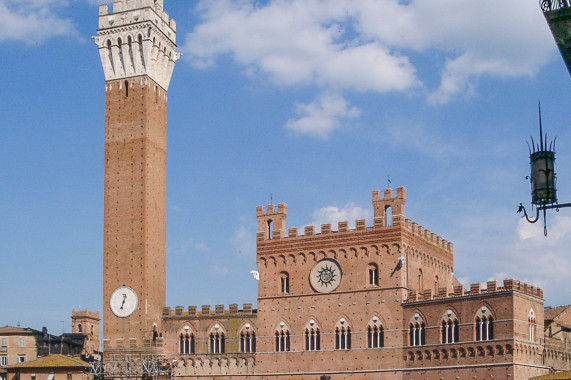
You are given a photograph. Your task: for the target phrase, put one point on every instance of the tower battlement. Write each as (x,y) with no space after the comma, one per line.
(142,12)
(381,207)
(137,38)
(475,289)
(271,223)
(206,310)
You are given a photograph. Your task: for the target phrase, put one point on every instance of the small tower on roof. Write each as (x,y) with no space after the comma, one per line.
(389,207)
(271,224)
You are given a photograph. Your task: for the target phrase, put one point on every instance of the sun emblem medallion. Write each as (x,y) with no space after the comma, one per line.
(325,276)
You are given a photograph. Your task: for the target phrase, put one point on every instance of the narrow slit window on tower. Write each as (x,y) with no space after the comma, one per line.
(389,216)
(126,89)
(270,223)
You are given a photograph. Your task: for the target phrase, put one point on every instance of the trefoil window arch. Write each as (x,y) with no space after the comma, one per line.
(450,328)
(375,333)
(247,339)
(417,331)
(217,340)
(186,341)
(531,319)
(282,338)
(342,335)
(312,336)
(484,324)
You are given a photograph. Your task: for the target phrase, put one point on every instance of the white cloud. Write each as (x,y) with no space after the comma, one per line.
(33,21)
(320,117)
(364,45)
(333,214)
(297,42)
(539,260)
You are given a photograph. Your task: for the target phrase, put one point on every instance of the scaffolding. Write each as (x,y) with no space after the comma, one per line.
(131,365)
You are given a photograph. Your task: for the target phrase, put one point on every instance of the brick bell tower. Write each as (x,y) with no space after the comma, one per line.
(137,46)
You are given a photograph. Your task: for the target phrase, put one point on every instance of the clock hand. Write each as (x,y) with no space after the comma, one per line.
(123,303)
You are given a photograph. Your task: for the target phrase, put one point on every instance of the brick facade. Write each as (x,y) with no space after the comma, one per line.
(492,330)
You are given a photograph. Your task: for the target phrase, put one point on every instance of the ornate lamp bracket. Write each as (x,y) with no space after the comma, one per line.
(542,178)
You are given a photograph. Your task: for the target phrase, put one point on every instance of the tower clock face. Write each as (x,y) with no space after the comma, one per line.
(325,276)
(123,301)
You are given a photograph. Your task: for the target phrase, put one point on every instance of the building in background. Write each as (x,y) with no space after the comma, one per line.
(19,345)
(52,367)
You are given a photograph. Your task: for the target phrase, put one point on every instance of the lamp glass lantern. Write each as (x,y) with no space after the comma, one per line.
(543,190)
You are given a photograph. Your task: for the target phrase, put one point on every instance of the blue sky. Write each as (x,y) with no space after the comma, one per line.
(311,103)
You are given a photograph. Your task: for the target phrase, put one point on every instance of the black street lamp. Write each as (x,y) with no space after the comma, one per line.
(542,178)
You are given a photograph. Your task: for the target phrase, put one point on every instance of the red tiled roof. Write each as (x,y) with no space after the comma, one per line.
(555,376)
(554,312)
(17,330)
(52,361)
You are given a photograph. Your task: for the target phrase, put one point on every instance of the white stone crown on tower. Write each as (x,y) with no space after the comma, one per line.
(137,38)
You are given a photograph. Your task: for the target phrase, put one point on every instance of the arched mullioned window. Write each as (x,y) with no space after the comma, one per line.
(375,333)
(186,340)
(312,336)
(217,340)
(373,274)
(416,331)
(247,339)
(484,324)
(450,329)
(531,320)
(342,335)
(284,283)
(282,338)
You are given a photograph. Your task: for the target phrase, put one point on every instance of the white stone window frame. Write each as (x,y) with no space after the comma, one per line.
(282,337)
(247,337)
(417,330)
(375,333)
(343,335)
(484,324)
(312,336)
(373,274)
(187,339)
(450,326)
(217,338)
(532,324)
(284,283)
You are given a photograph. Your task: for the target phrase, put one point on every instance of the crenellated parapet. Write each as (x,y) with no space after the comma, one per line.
(208,311)
(428,236)
(137,38)
(272,221)
(475,289)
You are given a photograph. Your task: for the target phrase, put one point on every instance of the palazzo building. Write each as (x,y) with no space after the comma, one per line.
(378,301)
